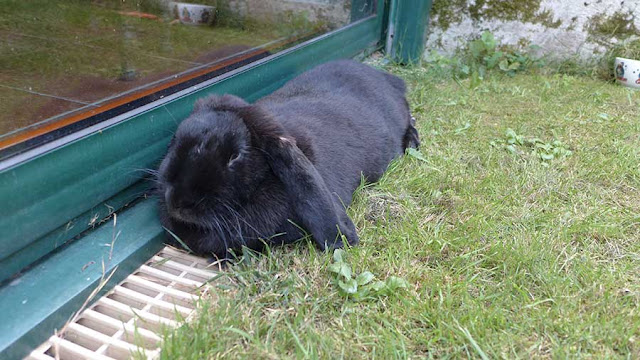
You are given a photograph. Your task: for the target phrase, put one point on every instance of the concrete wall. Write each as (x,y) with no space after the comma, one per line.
(563,28)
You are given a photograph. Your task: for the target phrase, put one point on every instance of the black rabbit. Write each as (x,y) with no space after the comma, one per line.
(239,174)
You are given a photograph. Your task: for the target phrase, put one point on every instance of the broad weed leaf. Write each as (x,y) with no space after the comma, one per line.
(377,286)
(335,267)
(364,278)
(345,270)
(350,286)
(416,154)
(394,283)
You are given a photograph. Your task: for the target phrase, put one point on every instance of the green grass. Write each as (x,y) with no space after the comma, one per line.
(506,255)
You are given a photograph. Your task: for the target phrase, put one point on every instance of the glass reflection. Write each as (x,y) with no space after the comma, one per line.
(67,60)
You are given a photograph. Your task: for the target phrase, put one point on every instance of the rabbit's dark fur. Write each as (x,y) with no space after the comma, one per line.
(241,174)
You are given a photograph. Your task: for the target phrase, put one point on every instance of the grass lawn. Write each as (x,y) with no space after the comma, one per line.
(507,253)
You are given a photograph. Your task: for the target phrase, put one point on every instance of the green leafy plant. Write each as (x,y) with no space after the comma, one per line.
(361,286)
(545,151)
(483,55)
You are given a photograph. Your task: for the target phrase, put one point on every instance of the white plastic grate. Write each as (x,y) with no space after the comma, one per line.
(129,318)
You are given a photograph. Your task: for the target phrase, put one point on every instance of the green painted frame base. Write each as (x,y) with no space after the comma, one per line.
(45,297)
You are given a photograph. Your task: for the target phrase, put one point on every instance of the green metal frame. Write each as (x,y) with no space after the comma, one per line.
(46,296)
(408,24)
(55,196)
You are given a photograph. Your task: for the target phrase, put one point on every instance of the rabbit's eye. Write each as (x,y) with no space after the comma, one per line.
(233,157)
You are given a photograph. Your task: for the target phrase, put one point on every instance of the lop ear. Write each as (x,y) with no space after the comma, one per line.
(317,210)
(220,103)
(260,123)
(264,128)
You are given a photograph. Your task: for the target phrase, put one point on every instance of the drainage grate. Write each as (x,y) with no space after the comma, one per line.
(130,318)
